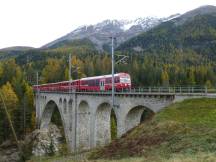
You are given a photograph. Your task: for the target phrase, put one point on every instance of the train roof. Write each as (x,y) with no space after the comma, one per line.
(104,76)
(55,83)
(87,78)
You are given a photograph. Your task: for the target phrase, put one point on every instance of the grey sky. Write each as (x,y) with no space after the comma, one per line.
(37,22)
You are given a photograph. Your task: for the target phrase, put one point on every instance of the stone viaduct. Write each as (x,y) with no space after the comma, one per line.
(86,116)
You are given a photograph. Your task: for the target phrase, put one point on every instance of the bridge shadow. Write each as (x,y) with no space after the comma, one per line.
(113,125)
(56,120)
(137,115)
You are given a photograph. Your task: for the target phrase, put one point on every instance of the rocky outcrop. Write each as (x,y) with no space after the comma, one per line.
(39,142)
(46,141)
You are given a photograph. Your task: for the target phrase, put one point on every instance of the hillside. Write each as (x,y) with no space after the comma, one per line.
(182,129)
(183,132)
(195,30)
(16,48)
(73,43)
(22,55)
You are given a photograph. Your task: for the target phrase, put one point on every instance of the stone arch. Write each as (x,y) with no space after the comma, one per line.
(51,110)
(136,115)
(65,106)
(47,114)
(83,125)
(102,124)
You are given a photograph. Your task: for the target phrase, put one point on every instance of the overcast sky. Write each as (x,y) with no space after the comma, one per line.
(37,22)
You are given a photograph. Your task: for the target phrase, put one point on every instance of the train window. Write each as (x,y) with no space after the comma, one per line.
(125,80)
(97,82)
(90,82)
(107,80)
(117,79)
(93,82)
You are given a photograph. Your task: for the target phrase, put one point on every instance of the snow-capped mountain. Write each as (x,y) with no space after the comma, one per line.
(99,33)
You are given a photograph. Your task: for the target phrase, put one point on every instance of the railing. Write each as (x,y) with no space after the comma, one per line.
(170,89)
(159,90)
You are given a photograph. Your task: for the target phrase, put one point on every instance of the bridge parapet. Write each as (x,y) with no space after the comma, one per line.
(148,90)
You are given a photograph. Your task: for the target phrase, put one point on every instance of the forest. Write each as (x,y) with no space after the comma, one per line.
(173,56)
(18,74)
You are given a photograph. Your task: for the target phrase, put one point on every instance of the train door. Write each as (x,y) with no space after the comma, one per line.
(102,85)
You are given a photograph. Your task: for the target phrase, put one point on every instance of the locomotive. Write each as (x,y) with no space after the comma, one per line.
(122,81)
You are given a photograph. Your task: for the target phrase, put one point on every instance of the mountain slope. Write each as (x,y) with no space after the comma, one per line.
(195,30)
(73,43)
(99,33)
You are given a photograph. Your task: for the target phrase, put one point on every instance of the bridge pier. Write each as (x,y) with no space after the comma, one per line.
(83,126)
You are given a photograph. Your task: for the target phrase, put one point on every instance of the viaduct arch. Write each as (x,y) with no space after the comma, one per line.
(87,118)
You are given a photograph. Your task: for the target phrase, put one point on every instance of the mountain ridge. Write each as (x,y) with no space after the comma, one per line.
(196,32)
(99,33)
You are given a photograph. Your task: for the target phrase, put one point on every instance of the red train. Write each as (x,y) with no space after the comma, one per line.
(98,83)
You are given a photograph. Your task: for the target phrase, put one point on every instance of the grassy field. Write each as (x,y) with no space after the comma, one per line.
(183,132)
(200,157)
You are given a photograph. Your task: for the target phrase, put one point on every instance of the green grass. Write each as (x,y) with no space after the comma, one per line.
(194,112)
(183,132)
(200,157)
(184,128)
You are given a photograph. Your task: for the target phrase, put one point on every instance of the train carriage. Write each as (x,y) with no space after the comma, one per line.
(98,83)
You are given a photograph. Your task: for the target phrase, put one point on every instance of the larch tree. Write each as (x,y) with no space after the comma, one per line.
(11,100)
(10,97)
(53,71)
(165,78)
